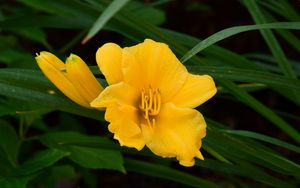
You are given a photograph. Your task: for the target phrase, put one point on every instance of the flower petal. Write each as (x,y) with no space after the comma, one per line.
(82,78)
(154,64)
(117,114)
(125,125)
(53,60)
(132,70)
(177,133)
(120,93)
(195,91)
(109,58)
(54,69)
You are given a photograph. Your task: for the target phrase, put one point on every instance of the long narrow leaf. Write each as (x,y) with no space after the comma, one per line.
(167,173)
(15,83)
(264,138)
(288,36)
(243,149)
(270,39)
(245,75)
(233,31)
(255,104)
(248,171)
(109,12)
(272,42)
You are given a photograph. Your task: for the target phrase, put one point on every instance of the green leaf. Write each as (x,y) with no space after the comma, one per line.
(4,162)
(108,13)
(272,42)
(244,149)
(14,84)
(145,12)
(96,158)
(248,171)
(164,172)
(47,6)
(33,34)
(264,138)
(65,138)
(13,57)
(288,36)
(246,75)
(99,157)
(9,142)
(45,21)
(267,61)
(6,108)
(283,8)
(40,161)
(9,182)
(262,109)
(233,31)
(226,56)
(46,99)
(215,154)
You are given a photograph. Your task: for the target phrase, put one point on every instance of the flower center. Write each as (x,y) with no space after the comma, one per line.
(150,104)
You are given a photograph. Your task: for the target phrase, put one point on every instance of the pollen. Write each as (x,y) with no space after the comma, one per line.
(150,104)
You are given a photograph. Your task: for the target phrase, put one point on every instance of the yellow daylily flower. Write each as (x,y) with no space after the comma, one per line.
(73,78)
(150,100)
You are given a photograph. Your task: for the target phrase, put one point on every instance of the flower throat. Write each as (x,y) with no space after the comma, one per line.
(150,104)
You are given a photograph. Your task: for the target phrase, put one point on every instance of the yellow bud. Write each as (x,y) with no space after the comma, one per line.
(82,78)
(54,70)
(52,59)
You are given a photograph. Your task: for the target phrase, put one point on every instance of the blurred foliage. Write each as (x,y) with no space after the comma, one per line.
(47,141)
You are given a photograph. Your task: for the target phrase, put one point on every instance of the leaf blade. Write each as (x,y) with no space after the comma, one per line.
(264,138)
(246,75)
(108,13)
(233,31)
(262,109)
(167,173)
(40,161)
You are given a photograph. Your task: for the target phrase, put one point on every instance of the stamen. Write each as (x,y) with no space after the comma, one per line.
(150,97)
(153,122)
(155,103)
(143,99)
(150,104)
(158,101)
(146,113)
